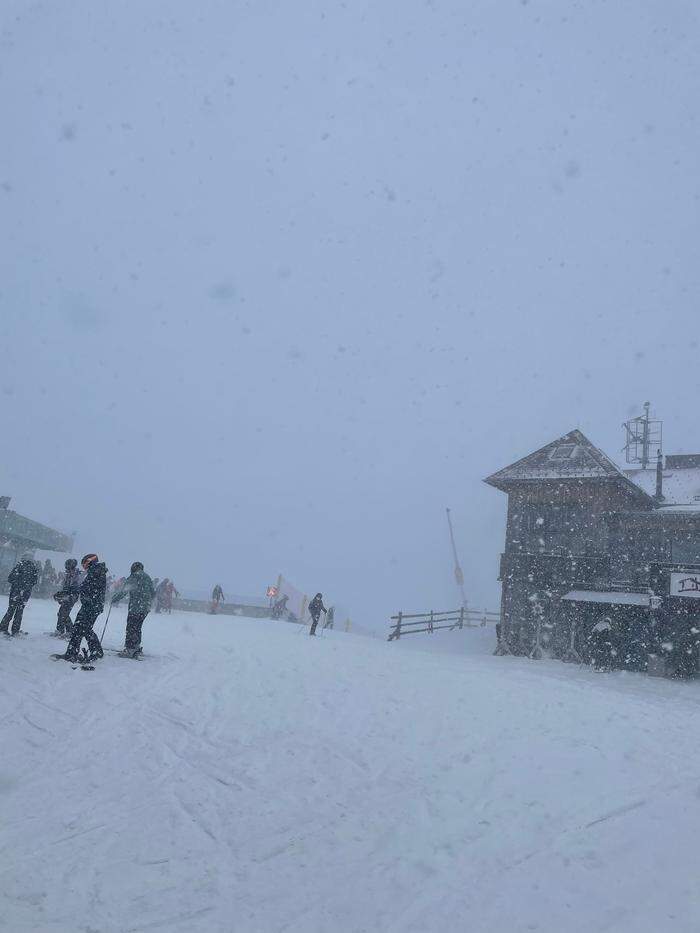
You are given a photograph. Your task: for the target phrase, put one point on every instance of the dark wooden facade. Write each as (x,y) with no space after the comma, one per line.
(578,523)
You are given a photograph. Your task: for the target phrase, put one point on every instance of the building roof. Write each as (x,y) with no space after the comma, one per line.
(681,487)
(30,534)
(613,599)
(570,457)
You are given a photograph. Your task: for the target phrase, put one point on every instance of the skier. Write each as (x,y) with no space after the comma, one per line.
(217,596)
(160,594)
(92,593)
(22,579)
(602,649)
(67,597)
(169,591)
(330,617)
(140,590)
(316,607)
(48,578)
(280,607)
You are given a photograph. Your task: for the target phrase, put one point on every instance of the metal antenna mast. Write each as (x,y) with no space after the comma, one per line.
(459,576)
(642,435)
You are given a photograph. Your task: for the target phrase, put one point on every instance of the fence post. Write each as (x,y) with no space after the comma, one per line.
(430,623)
(397,631)
(461,617)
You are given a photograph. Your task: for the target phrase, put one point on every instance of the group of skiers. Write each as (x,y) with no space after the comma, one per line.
(88,586)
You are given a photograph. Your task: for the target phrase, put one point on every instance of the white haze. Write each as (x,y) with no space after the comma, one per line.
(279,282)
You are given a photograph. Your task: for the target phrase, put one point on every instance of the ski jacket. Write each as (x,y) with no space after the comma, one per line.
(23,577)
(93,588)
(316,606)
(141,592)
(218,594)
(70,584)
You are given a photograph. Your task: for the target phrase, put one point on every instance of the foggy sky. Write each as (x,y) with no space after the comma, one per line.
(280,281)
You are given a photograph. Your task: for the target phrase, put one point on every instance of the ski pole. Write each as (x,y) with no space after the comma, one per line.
(106,621)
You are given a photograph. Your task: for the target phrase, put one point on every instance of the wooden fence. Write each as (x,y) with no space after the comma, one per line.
(413,623)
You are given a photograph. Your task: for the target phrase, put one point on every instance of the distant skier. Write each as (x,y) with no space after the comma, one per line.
(92,593)
(160,594)
(330,617)
(48,578)
(217,596)
(169,592)
(602,649)
(280,607)
(67,597)
(22,579)
(316,607)
(138,586)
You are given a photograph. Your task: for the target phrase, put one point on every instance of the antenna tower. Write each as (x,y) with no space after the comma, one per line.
(642,436)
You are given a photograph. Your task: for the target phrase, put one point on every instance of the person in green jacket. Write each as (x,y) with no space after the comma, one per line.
(140,590)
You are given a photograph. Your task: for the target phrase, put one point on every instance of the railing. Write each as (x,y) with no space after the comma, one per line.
(414,622)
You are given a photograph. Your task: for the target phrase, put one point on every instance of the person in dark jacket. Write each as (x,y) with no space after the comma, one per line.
(601,645)
(92,592)
(280,607)
(316,607)
(160,594)
(22,579)
(217,596)
(67,597)
(48,578)
(138,586)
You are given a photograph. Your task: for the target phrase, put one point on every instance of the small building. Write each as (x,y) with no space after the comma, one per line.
(20,535)
(588,541)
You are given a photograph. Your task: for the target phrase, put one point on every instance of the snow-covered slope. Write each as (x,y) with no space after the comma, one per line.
(245,777)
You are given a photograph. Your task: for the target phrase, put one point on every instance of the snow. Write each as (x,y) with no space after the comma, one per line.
(681,487)
(245,777)
(614,599)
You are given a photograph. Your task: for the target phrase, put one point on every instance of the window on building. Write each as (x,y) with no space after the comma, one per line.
(565,452)
(685,549)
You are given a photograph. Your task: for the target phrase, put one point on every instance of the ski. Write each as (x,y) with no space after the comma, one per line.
(123,653)
(84,666)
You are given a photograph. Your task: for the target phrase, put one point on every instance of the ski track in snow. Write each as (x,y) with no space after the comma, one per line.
(244,777)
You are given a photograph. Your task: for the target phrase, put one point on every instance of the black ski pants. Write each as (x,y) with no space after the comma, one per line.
(14,613)
(82,628)
(314,622)
(63,620)
(134,621)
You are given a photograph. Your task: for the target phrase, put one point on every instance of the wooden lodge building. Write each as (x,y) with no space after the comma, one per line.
(588,542)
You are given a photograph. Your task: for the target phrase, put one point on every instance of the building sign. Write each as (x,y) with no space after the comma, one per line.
(686,585)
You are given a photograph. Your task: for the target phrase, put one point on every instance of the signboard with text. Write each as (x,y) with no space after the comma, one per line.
(686,585)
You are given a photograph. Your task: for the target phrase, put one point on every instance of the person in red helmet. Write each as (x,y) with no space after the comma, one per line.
(92,593)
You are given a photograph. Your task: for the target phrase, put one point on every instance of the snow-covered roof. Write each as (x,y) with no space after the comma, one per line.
(613,599)
(680,487)
(570,457)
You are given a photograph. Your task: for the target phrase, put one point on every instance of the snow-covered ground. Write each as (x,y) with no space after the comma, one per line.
(245,777)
